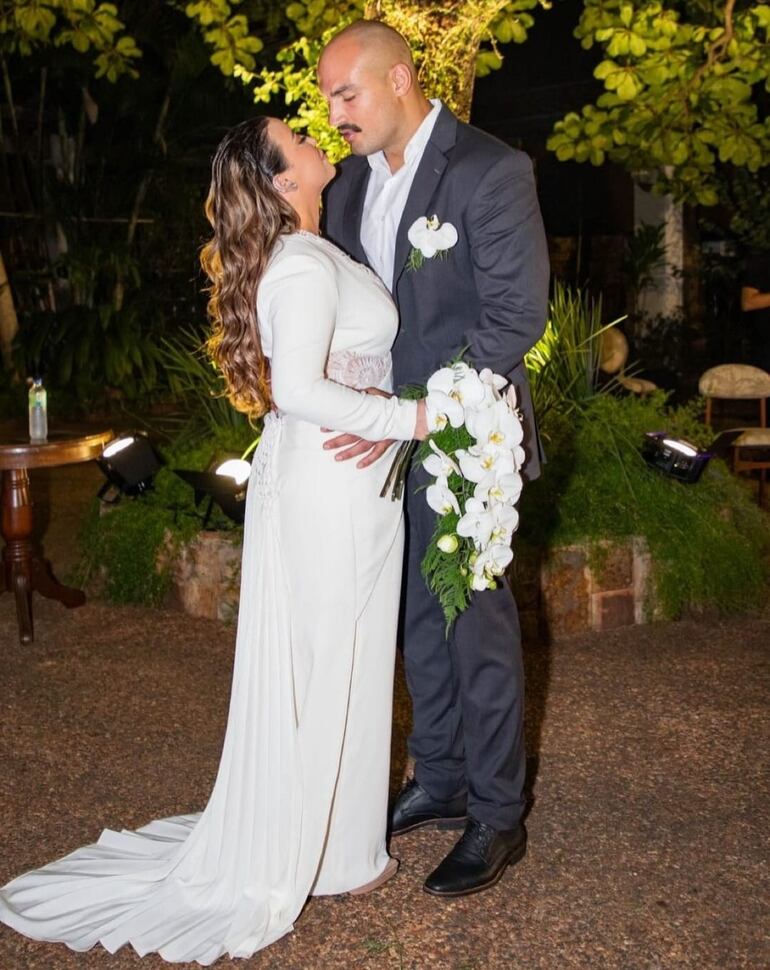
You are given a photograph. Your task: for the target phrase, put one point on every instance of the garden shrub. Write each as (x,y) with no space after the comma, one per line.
(120,549)
(709,541)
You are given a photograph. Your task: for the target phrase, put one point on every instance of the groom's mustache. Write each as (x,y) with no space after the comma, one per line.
(343,128)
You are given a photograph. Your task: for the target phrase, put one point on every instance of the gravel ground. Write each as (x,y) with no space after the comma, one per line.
(648,829)
(648,832)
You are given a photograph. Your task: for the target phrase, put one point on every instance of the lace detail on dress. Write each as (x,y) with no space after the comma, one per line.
(360,370)
(263,481)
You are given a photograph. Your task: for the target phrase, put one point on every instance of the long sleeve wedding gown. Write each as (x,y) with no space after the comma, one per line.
(299,802)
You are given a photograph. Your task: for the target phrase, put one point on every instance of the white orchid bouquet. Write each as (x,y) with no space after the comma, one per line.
(474,454)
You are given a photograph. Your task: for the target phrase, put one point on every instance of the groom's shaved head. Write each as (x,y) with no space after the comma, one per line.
(367,74)
(383,46)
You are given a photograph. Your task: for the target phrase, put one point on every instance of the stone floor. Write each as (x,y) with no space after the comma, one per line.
(648,772)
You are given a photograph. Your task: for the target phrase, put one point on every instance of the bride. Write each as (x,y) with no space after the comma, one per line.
(302,334)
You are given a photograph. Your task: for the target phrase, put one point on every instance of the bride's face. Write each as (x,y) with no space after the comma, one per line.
(306,165)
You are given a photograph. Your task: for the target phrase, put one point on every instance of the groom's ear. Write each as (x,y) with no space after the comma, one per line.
(401,79)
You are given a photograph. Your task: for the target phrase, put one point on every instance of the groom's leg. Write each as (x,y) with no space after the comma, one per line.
(486,647)
(436,740)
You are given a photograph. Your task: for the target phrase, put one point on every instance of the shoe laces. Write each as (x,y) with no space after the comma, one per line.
(477,836)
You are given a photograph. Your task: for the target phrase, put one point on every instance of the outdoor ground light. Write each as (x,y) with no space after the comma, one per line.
(674,456)
(129,464)
(224,484)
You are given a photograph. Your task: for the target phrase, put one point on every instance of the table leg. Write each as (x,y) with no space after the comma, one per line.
(23,571)
(43,582)
(17,554)
(23,596)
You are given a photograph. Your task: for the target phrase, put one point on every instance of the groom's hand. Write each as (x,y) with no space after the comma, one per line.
(354,447)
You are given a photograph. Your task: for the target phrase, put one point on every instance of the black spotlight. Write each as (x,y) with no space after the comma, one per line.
(224,483)
(129,464)
(674,456)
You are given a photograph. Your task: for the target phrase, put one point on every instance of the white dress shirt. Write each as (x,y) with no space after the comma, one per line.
(386,195)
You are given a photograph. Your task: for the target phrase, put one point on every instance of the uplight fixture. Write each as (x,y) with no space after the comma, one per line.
(674,456)
(224,483)
(129,464)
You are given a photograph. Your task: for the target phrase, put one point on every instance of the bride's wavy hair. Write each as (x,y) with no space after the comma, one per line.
(248,215)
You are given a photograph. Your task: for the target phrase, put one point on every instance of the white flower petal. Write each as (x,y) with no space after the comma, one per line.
(442,380)
(446,236)
(418,232)
(441,498)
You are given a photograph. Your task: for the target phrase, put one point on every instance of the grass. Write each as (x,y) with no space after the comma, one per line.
(120,549)
(709,541)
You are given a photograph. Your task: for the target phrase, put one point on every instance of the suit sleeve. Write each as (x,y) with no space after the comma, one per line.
(510,265)
(299,297)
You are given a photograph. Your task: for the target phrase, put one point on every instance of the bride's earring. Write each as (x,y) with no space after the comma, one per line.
(283,184)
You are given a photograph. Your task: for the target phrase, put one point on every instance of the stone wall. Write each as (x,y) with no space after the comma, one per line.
(576,589)
(599,587)
(206,576)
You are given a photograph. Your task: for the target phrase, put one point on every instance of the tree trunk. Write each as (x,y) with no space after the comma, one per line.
(445,40)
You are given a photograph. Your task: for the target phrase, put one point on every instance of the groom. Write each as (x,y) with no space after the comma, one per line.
(412,158)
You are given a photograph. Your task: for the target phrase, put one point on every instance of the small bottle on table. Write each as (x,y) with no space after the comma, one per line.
(38,412)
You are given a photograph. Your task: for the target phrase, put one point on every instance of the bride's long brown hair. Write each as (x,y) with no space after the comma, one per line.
(248,215)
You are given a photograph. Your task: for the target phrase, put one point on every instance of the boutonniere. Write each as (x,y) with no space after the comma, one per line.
(429,238)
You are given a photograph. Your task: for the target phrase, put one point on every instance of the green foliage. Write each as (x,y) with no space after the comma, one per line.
(85,25)
(446,579)
(683,90)
(746,198)
(563,366)
(709,542)
(105,205)
(450,43)
(128,548)
(199,388)
(511,25)
(645,253)
(294,79)
(94,353)
(131,546)
(440,569)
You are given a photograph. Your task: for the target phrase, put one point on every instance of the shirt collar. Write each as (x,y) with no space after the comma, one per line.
(416,144)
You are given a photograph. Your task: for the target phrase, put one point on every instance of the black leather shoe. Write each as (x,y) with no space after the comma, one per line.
(478,861)
(415,808)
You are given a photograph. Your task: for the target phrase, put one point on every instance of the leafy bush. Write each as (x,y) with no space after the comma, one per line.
(563,366)
(120,549)
(92,353)
(198,386)
(709,541)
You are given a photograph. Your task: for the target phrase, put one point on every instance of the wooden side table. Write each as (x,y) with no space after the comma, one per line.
(24,570)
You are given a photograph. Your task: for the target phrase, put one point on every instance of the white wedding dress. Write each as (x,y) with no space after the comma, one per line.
(299,803)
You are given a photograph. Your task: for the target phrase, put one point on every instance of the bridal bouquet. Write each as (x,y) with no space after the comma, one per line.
(474,455)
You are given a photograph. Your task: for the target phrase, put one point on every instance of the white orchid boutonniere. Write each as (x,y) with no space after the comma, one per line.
(429,238)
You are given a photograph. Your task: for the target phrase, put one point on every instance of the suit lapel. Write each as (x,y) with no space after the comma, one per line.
(426,180)
(354,208)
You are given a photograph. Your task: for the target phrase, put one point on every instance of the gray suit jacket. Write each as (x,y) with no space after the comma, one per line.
(490,293)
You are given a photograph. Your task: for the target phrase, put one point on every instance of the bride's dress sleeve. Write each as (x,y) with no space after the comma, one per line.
(298,309)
